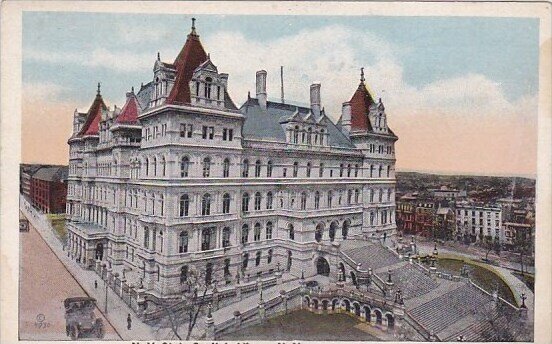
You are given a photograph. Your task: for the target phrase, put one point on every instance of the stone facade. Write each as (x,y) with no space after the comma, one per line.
(181,178)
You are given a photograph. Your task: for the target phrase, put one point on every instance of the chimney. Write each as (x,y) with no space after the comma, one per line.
(346,116)
(261,88)
(315,98)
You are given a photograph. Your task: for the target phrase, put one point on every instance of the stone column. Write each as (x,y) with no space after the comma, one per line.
(209,325)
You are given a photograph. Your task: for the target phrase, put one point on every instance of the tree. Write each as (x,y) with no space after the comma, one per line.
(522,246)
(491,244)
(181,317)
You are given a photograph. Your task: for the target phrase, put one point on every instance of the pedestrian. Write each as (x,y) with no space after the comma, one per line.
(96,284)
(129,321)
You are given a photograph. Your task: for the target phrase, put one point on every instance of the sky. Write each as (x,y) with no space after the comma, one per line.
(460,92)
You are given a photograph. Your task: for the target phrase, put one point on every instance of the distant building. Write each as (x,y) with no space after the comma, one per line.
(406,214)
(26,172)
(515,233)
(475,222)
(49,189)
(445,224)
(425,218)
(444,193)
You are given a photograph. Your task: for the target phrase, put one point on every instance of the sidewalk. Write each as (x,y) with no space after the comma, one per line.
(117,310)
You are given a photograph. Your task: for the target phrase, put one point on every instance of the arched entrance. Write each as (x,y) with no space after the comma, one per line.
(367,313)
(334,304)
(390,321)
(333,227)
(315,301)
(99,251)
(378,314)
(322,267)
(347,305)
(345,229)
(357,309)
(325,305)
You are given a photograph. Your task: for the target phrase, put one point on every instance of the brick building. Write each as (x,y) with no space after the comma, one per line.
(48,189)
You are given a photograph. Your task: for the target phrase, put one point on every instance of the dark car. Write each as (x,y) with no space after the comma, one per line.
(80,320)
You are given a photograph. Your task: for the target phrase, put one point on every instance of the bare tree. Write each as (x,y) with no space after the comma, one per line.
(491,244)
(181,317)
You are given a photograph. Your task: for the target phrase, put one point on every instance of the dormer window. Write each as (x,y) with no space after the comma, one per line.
(197,88)
(218,92)
(296,134)
(207,90)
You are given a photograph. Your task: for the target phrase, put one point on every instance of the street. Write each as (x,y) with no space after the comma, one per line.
(44,285)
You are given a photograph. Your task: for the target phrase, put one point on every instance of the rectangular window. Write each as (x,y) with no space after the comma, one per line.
(230,134)
(224,134)
(211,133)
(204,132)
(182,130)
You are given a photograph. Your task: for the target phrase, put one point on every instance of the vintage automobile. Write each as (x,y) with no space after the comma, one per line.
(80,320)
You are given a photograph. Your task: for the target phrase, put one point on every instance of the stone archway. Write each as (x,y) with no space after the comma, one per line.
(342,269)
(379,316)
(390,321)
(367,313)
(347,305)
(322,267)
(333,228)
(99,251)
(356,306)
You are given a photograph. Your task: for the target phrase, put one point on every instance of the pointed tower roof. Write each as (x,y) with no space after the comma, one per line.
(131,110)
(92,124)
(189,58)
(360,106)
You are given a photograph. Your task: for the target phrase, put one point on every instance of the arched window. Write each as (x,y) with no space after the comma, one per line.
(357,196)
(333,228)
(330,198)
(380,169)
(146,237)
(309,136)
(291,231)
(163,166)
(257,201)
(388,171)
(226,237)
(257,168)
(371,194)
(257,232)
(245,202)
(309,166)
(258,258)
(184,205)
(154,163)
(389,193)
(226,168)
(295,169)
(321,137)
(245,168)
(380,195)
(303,200)
(356,170)
(206,167)
(371,171)
(349,196)
(161,241)
(206,204)
(226,203)
(183,274)
(269,169)
(269,230)
(269,257)
(317,200)
(349,170)
(345,229)
(183,242)
(245,260)
(269,199)
(321,170)
(162,204)
(245,234)
(207,88)
(146,162)
(341,168)
(184,166)
(319,232)
(296,134)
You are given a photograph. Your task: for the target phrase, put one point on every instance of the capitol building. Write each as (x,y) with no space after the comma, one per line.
(182,177)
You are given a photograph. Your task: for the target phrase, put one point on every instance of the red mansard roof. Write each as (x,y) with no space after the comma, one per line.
(360,105)
(189,58)
(92,124)
(130,111)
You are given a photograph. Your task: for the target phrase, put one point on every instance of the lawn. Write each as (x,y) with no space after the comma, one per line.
(58,223)
(304,325)
(485,278)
